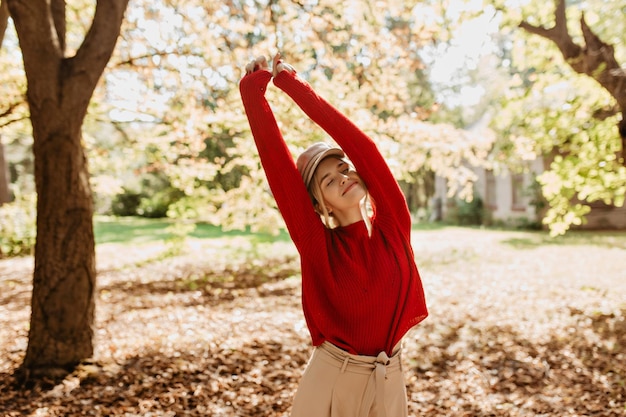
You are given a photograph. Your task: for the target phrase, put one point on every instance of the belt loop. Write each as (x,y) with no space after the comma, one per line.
(345,364)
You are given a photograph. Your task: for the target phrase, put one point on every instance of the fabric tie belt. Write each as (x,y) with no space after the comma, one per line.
(376,366)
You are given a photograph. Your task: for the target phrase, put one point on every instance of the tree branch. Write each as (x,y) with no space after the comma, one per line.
(86,67)
(10,108)
(40,48)
(102,36)
(11,121)
(4,19)
(558,33)
(131,61)
(31,18)
(604,113)
(596,59)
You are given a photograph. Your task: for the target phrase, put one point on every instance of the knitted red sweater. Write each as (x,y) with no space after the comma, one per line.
(362,293)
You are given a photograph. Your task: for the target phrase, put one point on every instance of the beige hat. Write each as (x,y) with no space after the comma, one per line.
(309,160)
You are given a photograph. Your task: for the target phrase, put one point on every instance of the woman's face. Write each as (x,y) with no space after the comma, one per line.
(341,186)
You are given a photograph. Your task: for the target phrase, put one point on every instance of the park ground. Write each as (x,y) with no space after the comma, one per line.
(520,325)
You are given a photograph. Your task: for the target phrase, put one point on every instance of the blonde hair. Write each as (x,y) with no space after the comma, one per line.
(317,198)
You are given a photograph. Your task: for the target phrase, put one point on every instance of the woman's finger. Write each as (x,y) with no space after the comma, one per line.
(249,68)
(260,63)
(276,62)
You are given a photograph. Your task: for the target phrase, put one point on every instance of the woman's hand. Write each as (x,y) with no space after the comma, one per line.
(260,63)
(279,66)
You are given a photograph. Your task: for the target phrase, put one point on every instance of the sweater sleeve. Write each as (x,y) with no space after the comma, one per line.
(389,200)
(283,177)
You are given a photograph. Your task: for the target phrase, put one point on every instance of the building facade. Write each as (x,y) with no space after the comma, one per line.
(513,199)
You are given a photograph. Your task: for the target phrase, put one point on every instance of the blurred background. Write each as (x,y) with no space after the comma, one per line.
(482,121)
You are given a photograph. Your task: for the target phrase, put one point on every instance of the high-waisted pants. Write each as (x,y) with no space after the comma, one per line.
(338,384)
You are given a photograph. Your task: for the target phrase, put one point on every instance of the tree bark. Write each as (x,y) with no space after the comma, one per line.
(596,59)
(4,19)
(5,196)
(58,93)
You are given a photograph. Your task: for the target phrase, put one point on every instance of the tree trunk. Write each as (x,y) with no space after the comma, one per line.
(65,272)
(59,91)
(5,196)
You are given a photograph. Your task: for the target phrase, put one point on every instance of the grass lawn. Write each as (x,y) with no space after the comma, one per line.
(137,230)
(132,230)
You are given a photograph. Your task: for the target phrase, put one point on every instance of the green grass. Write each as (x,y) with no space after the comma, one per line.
(135,230)
(141,230)
(429,226)
(608,239)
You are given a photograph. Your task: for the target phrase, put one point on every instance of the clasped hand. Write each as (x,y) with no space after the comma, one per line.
(260,63)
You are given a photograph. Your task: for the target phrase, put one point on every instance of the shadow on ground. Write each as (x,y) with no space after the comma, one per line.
(471,371)
(256,379)
(216,286)
(493,371)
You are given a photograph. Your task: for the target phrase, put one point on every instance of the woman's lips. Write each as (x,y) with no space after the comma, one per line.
(349,187)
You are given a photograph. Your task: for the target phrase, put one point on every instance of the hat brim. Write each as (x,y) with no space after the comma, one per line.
(309,170)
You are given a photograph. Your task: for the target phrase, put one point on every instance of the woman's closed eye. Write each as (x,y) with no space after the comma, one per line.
(343,171)
(342,168)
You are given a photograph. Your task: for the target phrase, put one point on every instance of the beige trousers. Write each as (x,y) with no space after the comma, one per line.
(338,384)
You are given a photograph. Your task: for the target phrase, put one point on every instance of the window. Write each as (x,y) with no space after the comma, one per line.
(517,188)
(490,190)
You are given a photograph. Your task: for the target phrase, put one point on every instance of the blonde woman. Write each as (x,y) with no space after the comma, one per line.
(361,290)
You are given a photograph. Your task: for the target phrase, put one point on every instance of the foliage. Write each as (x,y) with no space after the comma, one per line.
(17,226)
(150,195)
(467,212)
(550,112)
(14,122)
(182,60)
(13,107)
(169,103)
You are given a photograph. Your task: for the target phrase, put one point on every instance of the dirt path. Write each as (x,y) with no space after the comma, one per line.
(518,326)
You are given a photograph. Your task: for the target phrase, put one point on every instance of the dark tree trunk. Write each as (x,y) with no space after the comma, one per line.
(63,307)
(5,196)
(59,91)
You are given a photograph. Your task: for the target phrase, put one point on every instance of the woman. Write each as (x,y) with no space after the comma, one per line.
(361,290)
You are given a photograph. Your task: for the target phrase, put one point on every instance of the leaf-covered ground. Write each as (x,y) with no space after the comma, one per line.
(519,326)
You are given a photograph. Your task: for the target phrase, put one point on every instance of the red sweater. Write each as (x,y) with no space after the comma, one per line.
(361,293)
